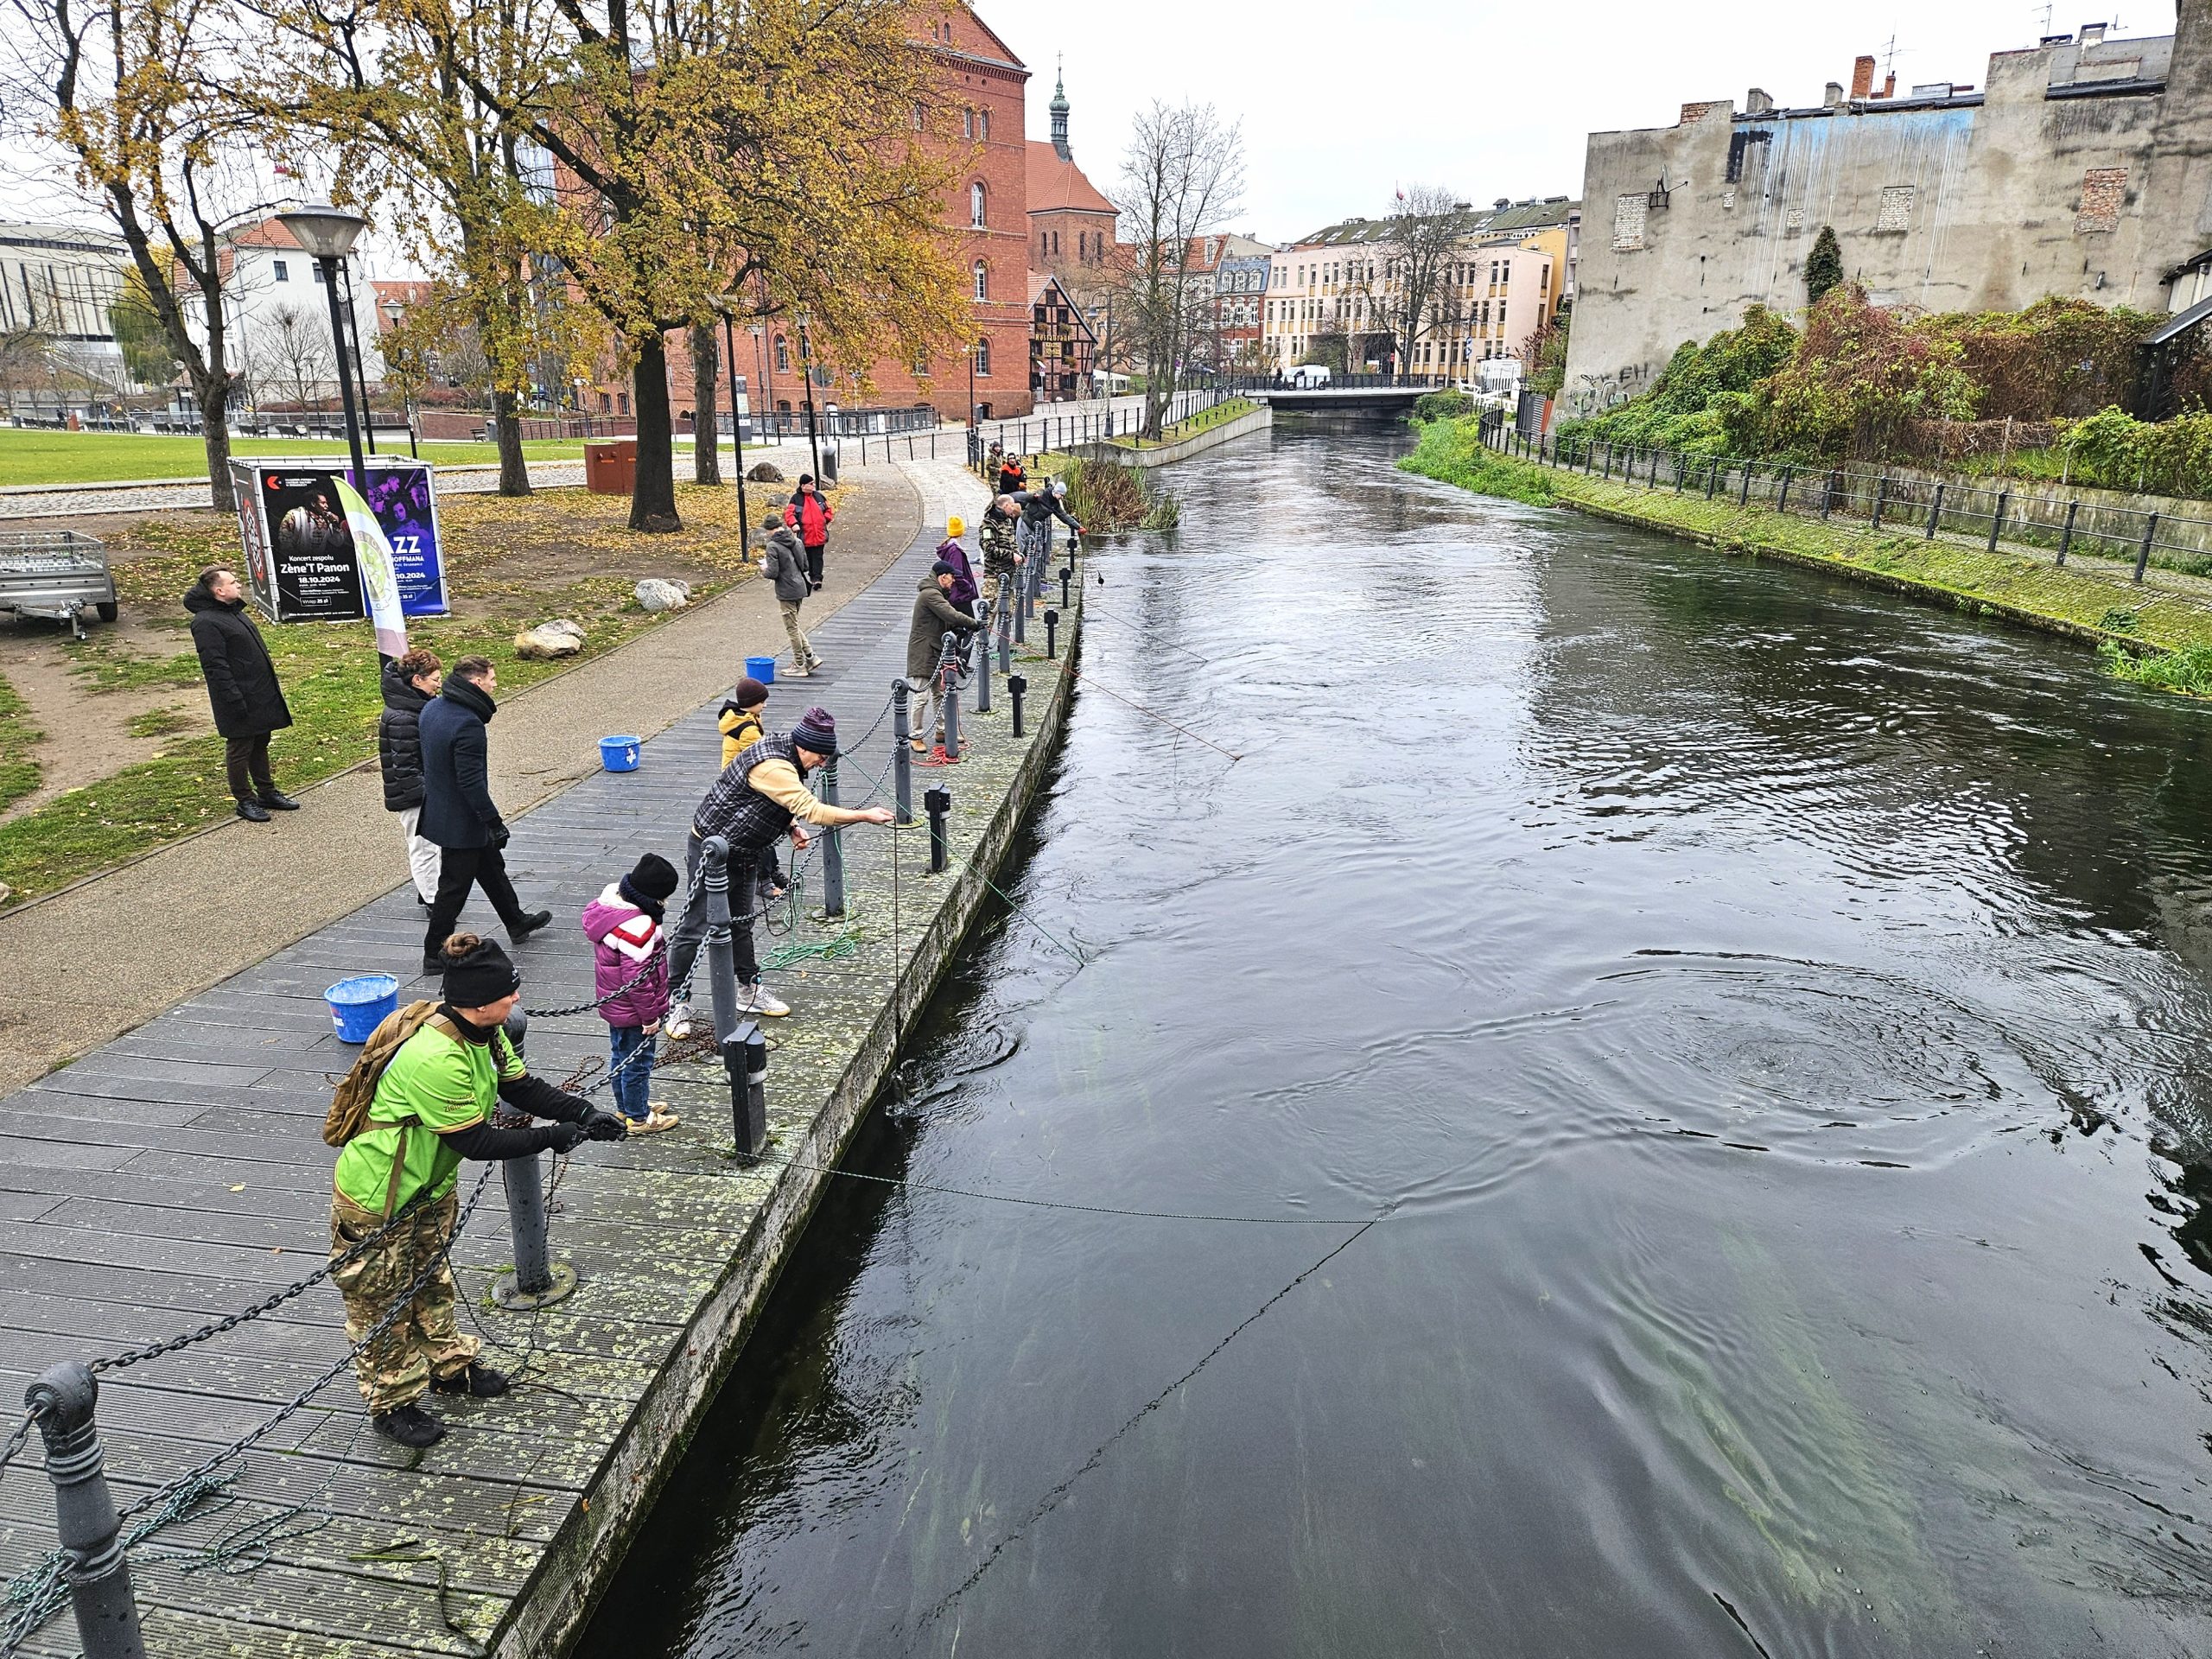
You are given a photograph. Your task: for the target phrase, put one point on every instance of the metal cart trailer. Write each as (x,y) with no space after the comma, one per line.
(57,574)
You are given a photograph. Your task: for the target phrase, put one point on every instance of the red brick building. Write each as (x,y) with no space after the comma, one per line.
(979,110)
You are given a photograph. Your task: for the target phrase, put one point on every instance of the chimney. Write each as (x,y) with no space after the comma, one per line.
(1862,76)
(1758,102)
(1889,86)
(2092,33)
(1833,98)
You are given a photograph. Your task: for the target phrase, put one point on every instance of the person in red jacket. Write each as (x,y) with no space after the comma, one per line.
(810,513)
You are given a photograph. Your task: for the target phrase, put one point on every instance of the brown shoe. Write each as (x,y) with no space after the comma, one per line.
(658,1119)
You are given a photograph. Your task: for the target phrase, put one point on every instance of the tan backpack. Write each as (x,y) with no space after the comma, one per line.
(357,1091)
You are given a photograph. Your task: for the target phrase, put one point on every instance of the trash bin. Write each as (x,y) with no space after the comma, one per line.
(829,467)
(611,466)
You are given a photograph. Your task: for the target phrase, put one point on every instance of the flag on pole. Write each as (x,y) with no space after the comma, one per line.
(379,583)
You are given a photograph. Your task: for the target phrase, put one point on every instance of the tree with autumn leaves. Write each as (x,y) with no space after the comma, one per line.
(580,176)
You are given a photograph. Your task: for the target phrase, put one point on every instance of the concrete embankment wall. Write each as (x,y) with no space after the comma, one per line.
(1258,420)
(993,800)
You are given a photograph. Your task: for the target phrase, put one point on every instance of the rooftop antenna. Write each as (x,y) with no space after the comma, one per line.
(2043,29)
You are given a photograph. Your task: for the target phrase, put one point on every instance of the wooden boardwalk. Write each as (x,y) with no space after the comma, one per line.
(178,1174)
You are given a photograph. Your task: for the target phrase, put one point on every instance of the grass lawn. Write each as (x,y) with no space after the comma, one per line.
(511,564)
(19,773)
(41,457)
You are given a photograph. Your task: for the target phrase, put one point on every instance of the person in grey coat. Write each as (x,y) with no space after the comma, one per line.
(783,560)
(935,616)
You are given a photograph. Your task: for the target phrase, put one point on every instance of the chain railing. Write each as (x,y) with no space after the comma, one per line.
(1998,514)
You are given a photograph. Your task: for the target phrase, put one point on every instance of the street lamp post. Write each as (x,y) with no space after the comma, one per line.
(736,420)
(327,234)
(806,372)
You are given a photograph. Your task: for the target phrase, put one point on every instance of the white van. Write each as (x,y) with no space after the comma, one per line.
(1308,375)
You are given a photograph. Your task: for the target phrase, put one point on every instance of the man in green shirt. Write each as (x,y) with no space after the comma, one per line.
(433,1108)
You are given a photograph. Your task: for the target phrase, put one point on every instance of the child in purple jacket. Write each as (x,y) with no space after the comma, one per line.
(630,956)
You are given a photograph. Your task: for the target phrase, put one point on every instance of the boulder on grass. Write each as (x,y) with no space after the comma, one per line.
(559,638)
(658,594)
(766,472)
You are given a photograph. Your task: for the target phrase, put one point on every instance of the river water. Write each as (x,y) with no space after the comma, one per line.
(1768,1015)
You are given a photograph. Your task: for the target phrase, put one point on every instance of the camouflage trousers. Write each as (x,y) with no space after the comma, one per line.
(397,1366)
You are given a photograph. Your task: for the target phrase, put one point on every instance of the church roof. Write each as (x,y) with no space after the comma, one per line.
(1056,186)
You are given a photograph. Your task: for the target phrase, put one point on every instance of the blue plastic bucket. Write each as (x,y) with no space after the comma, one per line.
(358,1005)
(618,753)
(762,669)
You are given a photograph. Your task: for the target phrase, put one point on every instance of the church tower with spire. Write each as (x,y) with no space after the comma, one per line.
(1059,107)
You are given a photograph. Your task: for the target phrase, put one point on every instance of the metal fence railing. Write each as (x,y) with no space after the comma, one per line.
(1995,514)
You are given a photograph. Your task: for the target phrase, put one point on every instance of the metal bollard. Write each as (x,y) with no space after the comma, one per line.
(1997,519)
(938,804)
(1005,609)
(2143,553)
(1067,575)
(2065,536)
(85,1522)
(535,1280)
(1782,504)
(833,847)
(1934,514)
(745,1058)
(983,660)
(1051,631)
(902,753)
(1745,500)
(1015,685)
(1021,600)
(721,962)
(948,677)
(1881,499)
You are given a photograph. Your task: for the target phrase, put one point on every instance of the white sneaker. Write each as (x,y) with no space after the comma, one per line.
(759,999)
(679,1021)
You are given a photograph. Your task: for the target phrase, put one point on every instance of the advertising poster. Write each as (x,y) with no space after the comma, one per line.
(301,561)
(405,503)
(312,568)
(372,553)
(253,537)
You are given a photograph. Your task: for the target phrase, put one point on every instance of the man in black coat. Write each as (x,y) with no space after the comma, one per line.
(458,813)
(241,689)
(408,683)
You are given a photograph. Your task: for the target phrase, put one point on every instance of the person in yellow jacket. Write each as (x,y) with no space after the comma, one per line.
(433,1108)
(740,724)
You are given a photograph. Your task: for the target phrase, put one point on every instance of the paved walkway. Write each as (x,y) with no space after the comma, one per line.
(179,1173)
(100,957)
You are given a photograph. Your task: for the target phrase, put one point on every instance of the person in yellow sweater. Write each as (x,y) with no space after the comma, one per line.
(740,724)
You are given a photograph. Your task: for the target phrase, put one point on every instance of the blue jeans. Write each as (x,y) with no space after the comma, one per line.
(631,1082)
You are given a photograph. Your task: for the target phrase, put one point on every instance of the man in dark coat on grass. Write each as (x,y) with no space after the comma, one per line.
(241,689)
(458,813)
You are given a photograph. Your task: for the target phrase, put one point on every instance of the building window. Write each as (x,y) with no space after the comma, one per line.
(782,355)
(622,403)
(1895,214)
(975,205)
(982,281)
(317,269)
(921,118)
(967,124)
(2104,190)
(983,356)
(984,125)
(1056,242)
(284,274)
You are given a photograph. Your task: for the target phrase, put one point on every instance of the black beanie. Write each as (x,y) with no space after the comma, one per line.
(484,976)
(651,883)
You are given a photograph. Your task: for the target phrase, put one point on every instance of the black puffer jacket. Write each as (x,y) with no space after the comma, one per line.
(242,687)
(399,740)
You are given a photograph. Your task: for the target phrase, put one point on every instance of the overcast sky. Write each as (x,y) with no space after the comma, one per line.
(1342,102)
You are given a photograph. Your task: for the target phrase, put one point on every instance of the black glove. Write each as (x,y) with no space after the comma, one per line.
(501,834)
(604,1126)
(561,1137)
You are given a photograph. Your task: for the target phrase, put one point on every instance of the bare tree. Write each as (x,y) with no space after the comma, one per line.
(126,93)
(1183,175)
(291,354)
(1417,250)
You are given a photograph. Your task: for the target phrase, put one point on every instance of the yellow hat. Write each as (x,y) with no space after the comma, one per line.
(956,526)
